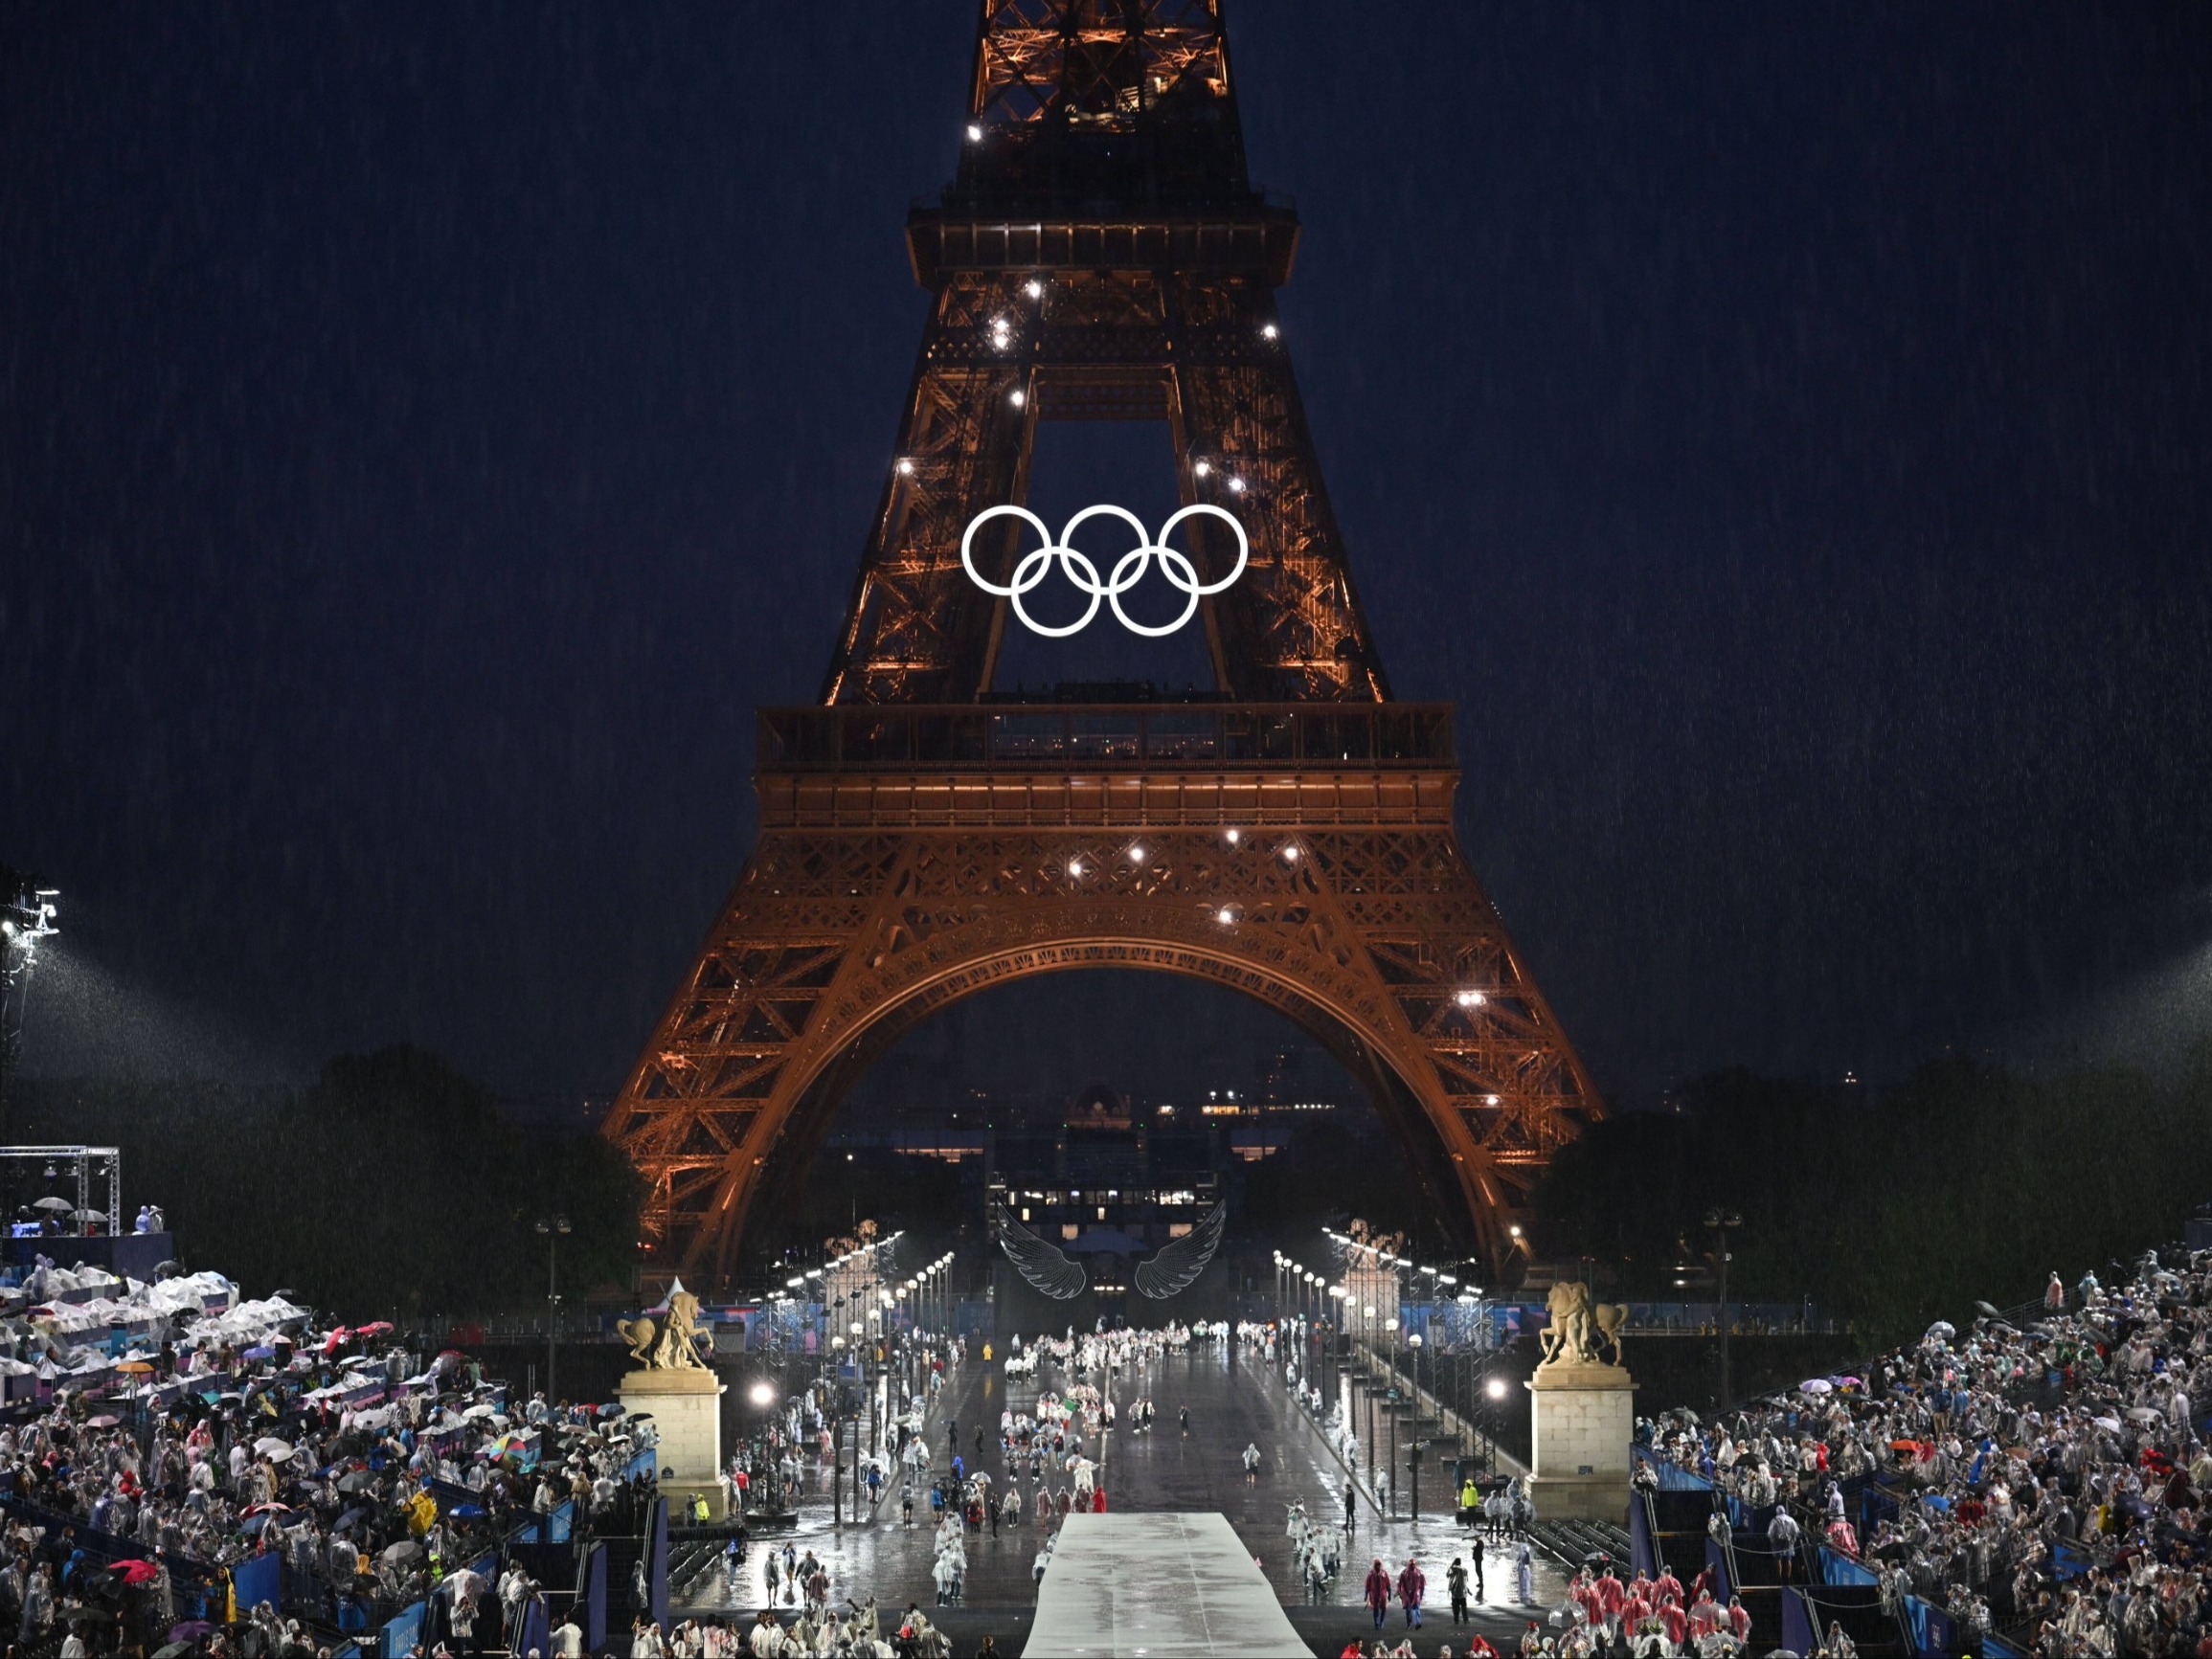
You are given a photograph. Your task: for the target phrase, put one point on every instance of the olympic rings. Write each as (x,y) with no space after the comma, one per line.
(1129,569)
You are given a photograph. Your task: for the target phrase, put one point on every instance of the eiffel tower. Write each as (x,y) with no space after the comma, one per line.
(1101,254)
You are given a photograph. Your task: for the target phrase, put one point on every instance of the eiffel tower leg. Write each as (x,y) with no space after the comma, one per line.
(917,629)
(715,1080)
(1292,628)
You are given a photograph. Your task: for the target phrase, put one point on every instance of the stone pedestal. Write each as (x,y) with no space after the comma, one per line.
(1583,1422)
(685,1406)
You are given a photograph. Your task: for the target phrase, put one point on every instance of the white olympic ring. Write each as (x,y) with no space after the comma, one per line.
(1128,570)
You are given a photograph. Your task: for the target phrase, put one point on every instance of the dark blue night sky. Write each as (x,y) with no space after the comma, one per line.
(427,431)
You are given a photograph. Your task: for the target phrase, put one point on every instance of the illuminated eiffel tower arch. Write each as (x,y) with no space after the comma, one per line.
(1100,255)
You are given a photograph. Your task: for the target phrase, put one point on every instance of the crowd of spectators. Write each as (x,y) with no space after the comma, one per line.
(232,1431)
(2042,1476)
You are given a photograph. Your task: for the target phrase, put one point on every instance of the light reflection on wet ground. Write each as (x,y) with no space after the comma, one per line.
(1232,1400)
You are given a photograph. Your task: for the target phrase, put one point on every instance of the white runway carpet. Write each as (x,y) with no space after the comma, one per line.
(1151,1585)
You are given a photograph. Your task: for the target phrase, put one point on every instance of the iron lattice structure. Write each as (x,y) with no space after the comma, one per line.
(1101,254)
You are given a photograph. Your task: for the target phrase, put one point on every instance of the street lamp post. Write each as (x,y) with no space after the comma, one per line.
(1341,1296)
(837,1439)
(878,1319)
(1392,1325)
(860,1372)
(1724,1222)
(1368,1315)
(1413,1451)
(551,1228)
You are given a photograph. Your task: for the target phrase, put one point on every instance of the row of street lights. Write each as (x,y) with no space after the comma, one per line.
(925,1295)
(1312,1293)
(1364,1298)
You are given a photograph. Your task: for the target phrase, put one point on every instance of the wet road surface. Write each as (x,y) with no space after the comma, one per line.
(1235,1398)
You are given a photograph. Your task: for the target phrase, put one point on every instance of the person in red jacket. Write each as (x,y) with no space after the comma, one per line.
(1412,1585)
(1636,1605)
(1378,1588)
(1098,1500)
(1704,1617)
(1610,1595)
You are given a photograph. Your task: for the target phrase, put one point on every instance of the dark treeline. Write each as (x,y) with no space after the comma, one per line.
(1967,1182)
(389,1184)
(841,1187)
(1337,1166)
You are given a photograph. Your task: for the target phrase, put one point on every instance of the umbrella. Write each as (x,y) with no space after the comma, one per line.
(482,1408)
(137,1367)
(360,1480)
(374,1328)
(190,1630)
(269,1446)
(52,1204)
(174,1651)
(266,1510)
(405,1550)
(348,1518)
(91,1215)
(1817,1385)
(103,1420)
(265,1352)
(138,1572)
(2141,1414)
(612,1408)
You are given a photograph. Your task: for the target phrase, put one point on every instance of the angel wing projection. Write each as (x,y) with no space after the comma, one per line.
(1045,1267)
(1179,1264)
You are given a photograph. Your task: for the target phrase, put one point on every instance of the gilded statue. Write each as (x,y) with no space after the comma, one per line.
(1582,1330)
(665,1345)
